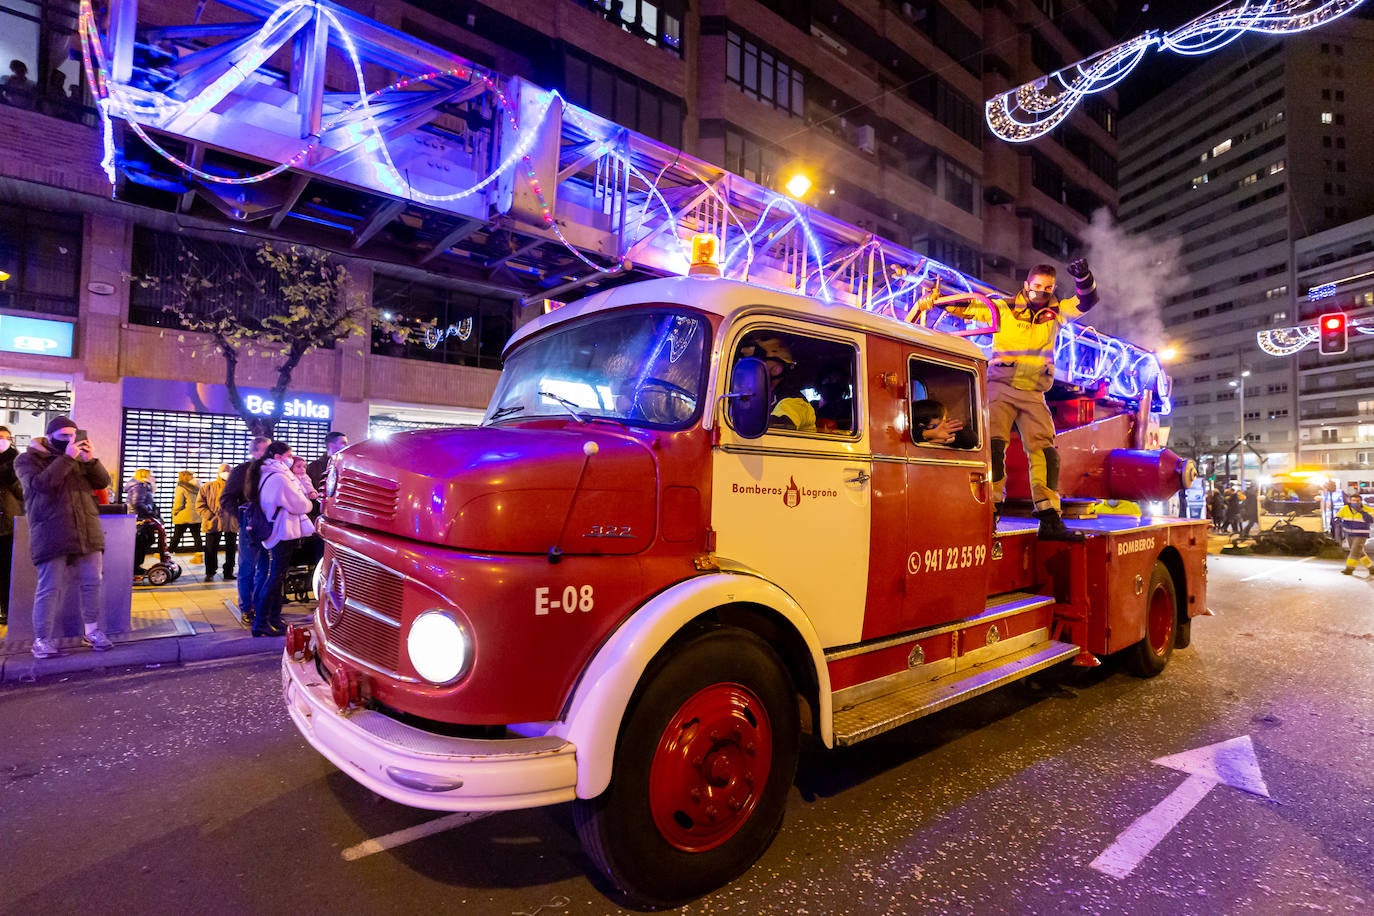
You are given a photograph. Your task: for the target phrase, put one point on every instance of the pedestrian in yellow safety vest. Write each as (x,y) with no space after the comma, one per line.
(1355,521)
(1020,371)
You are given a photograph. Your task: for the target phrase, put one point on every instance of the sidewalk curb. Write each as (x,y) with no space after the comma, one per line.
(174,650)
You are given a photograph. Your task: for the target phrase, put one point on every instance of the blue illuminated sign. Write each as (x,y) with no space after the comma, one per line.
(35,335)
(1325,291)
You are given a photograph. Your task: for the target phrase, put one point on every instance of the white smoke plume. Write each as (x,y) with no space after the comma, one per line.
(1135,276)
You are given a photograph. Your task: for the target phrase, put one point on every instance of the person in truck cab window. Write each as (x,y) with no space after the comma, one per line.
(790,409)
(1020,371)
(931,424)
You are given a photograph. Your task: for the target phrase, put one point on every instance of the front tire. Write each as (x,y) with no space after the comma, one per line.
(1149,656)
(705,761)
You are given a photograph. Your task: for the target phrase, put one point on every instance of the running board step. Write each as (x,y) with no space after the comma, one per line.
(884,713)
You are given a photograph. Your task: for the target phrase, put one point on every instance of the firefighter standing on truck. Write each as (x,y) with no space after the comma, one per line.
(1020,371)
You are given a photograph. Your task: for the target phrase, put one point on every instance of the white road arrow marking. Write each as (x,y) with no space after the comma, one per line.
(1232,762)
(410,834)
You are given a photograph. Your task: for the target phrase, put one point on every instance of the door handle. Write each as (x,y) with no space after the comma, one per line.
(860,478)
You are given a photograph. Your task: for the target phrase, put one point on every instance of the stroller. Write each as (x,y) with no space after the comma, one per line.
(149,531)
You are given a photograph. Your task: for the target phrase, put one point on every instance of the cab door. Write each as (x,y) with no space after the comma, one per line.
(794,505)
(949,505)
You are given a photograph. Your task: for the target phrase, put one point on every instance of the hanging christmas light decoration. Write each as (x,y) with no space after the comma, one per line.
(1035,108)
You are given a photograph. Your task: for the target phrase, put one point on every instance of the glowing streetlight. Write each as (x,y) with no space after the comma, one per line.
(798,185)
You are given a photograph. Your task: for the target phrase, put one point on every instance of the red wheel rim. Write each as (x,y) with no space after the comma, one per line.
(710,767)
(1161,620)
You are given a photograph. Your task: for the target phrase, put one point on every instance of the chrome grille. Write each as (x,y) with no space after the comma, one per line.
(362,608)
(367,495)
(367,639)
(370,585)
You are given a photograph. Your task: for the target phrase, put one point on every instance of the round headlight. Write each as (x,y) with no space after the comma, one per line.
(439,647)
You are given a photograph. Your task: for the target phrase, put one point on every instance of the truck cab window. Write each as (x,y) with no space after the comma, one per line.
(943,397)
(811,381)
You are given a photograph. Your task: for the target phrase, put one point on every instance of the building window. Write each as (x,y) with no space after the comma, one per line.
(659,22)
(620,97)
(761,73)
(467,330)
(959,186)
(1326,117)
(41,251)
(42,36)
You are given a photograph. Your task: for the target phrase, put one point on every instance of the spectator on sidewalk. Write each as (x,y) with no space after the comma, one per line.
(218,525)
(334,443)
(184,515)
(286,507)
(59,473)
(1249,509)
(1232,523)
(11,506)
(1216,505)
(138,493)
(233,501)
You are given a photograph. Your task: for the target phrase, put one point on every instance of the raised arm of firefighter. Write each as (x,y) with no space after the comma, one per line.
(1084,288)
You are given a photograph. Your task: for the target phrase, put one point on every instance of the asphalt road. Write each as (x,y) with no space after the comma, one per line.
(188,791)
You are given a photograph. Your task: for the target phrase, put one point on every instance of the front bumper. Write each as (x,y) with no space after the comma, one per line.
(422,769)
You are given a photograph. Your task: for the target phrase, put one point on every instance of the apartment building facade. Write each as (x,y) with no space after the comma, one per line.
(1257,148)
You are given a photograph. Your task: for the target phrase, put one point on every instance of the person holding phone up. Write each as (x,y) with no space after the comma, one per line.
(60,474)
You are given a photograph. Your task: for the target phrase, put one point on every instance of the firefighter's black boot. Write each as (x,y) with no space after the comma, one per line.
(1052,527)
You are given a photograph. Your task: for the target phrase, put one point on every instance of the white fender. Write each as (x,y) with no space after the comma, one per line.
(602,696)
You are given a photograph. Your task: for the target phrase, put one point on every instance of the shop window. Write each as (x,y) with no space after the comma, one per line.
(464,329)
(167,442)
(41,251)
(936,388)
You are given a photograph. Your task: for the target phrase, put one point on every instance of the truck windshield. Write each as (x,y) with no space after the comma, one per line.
(640,368)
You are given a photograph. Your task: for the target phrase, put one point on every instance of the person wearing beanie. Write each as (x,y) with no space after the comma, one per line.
(11,505)
(59,473)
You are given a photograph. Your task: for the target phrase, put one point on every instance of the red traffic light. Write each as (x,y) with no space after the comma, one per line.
(1333,333)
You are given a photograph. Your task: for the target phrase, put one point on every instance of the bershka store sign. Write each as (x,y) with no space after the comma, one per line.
(190,397)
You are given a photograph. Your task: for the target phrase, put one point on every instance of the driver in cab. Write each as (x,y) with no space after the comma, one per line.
(789,409)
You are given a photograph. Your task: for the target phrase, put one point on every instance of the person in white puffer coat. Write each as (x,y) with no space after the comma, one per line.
(287,507)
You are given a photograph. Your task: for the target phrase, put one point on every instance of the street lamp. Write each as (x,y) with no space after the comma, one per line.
(1239,385)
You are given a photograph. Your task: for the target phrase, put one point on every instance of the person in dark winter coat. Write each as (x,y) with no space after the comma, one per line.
(218,525)
(184,516)
(1217,509)
(138,493)
(60,474)
(11,505)
(1232,523)
(1249,510)
(234,500)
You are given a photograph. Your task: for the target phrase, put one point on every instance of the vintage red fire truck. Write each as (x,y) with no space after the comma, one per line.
(634,588)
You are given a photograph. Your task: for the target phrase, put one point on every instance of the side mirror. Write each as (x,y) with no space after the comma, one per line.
(747,402)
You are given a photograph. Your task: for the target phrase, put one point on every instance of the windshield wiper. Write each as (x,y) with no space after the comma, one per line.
(568,405)
(507,410)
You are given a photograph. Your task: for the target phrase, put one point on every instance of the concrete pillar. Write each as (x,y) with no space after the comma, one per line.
(98,408)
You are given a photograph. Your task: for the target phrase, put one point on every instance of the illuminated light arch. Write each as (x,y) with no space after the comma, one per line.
(1035,108)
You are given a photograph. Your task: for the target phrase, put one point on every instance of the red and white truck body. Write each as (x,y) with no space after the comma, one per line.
(623,591)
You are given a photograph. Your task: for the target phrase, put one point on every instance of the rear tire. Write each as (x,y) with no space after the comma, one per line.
(1149,656)
(705,760)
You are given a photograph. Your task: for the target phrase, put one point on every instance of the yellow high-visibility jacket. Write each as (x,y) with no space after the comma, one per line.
(1023,348)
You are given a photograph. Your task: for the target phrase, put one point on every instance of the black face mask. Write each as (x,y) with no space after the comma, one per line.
(60,443)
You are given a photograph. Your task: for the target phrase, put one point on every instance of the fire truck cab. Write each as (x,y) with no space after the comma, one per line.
(699,520)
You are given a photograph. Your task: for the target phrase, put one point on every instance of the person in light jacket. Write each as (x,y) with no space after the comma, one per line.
(219,526)
(272,483)
(184,516)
